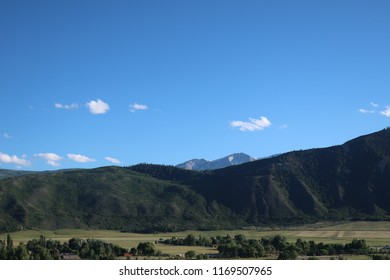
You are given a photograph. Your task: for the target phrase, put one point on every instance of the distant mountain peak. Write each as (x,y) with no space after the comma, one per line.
(202,164)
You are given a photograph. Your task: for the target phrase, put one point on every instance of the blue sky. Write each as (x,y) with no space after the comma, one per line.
(94,83)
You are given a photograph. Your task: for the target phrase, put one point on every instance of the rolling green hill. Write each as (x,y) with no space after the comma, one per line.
(349,181)
(104,198)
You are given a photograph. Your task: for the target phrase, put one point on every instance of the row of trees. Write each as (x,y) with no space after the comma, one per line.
(241,247)
(228,247)
(191,240)
(278,245)
(93,249)
(42,249)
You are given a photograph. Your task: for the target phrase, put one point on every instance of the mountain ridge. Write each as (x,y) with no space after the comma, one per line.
(347,181)
(342,182)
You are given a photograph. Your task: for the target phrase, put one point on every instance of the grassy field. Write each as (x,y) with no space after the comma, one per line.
(375,234)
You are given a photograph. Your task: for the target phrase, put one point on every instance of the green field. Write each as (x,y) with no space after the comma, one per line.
(375,234)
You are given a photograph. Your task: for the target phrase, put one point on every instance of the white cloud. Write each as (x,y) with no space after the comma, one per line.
(80,158)
(98,107)
(252,125)
(374,104)
(113,160)
(365,111)
(4,158)
(51,158)
(386,112)
(6,135)
(137,107)
(65,106)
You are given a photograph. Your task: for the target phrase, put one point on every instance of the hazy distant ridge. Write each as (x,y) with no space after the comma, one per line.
(202,164)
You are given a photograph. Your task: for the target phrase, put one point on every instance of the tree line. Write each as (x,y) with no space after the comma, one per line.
(76,248)
(227,246)
(42,249)
(241,247)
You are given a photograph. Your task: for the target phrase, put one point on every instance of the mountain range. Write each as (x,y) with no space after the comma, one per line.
(342,182)
(202,164)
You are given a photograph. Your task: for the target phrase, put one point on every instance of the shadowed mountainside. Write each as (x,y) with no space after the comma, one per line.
(349,181)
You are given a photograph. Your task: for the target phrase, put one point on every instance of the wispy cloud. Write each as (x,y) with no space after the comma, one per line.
(98,107)
(5,158)
(369,111)
(72,106)
(80,158)
(283,126)
(113,160)
(6,135)
(365,111)
(51,158)
(137,107)
(252,125)
(386,112)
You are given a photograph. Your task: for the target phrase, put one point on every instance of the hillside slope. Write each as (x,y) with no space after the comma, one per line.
(104,198)
(346,181)
(349,181)
(7,173)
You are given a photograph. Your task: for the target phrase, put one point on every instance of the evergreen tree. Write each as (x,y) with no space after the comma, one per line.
(10,242)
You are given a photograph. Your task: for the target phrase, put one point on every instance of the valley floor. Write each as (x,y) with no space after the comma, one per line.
(376,234)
